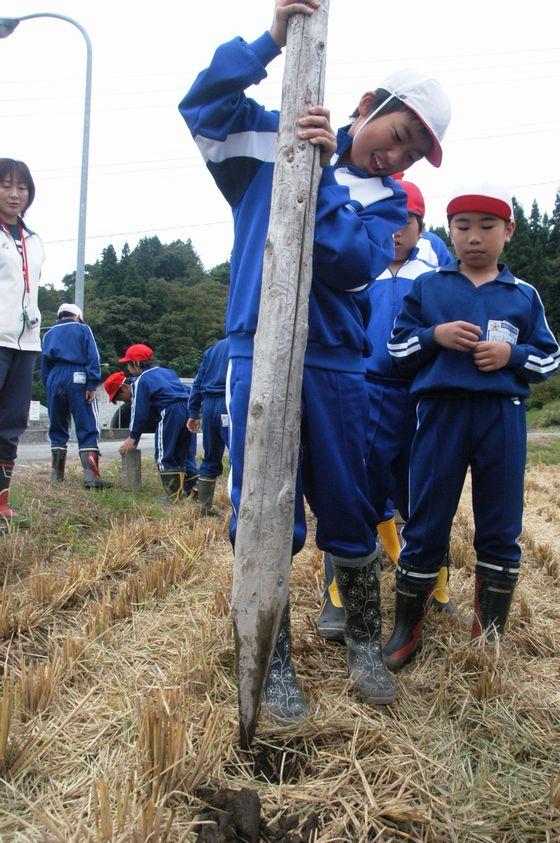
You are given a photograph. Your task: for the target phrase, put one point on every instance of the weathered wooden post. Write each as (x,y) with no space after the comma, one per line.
(131,470)
(263,546)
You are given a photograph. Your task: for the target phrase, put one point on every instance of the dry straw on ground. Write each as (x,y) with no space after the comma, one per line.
(118,713)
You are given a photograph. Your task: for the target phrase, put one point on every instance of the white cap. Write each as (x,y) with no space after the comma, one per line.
(481,197)
(426,98)
(70,308)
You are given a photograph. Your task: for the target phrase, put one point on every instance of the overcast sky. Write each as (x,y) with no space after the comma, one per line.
(499,62)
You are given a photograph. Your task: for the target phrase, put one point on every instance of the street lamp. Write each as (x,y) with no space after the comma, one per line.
(7,26)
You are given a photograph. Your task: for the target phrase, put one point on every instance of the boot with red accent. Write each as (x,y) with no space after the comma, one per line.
(58,463)
(8,518)
(410,612)
(493,593)
(90,462)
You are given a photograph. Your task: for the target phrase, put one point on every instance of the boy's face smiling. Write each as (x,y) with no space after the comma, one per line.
(389,143)
(479,238)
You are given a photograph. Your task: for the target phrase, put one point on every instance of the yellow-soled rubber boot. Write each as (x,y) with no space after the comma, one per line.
(441,601)
(387,531)
(330,623)
(172,482)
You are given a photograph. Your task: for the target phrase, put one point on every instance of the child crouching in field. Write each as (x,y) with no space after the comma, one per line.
(475,337)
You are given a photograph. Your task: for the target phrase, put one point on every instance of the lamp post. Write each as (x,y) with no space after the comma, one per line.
(7,26)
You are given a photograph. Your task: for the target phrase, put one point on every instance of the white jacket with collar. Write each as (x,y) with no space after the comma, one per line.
(14,333)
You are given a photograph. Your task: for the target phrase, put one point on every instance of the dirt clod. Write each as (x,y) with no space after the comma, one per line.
(235,814)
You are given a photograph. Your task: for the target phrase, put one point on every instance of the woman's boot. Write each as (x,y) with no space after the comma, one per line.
(359,590)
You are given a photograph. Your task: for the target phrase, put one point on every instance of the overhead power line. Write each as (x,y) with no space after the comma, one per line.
(186,226)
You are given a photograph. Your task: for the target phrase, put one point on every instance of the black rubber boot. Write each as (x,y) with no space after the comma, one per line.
(172,482)
(330,623)
(410,611)
(359,591)
(58,463)
(190,487)
(90,461)
(493,594)
(283,700)
(206,488)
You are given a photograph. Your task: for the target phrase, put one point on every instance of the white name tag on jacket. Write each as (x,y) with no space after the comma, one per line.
(225,419)
(79,377)
(500,331)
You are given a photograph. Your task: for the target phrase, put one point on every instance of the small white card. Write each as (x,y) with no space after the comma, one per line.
(79,377)
(500,331)
(225,419)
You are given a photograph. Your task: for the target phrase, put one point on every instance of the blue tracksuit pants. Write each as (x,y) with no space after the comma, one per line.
(457,430)
(174,446)
(215,434)
(331,471)
(66,395)
(392,423)
(16,380)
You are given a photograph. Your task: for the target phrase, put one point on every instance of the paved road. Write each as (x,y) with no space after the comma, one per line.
(30,453)
(34,453)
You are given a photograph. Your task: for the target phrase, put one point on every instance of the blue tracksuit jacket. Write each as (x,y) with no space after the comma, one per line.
(356,214)
(386,296)
(446,295)
(71,342)
(433,250)
(155,388)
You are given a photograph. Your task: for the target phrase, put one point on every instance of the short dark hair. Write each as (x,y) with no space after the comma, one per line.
(393,104)
(10,168)
(65,314)
(419,220)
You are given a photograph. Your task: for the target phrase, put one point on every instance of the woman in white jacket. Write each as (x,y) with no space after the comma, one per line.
(21,259)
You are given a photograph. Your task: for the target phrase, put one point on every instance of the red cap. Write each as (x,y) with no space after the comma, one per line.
(113,383)
(414,199)
(482,198)
(137,352)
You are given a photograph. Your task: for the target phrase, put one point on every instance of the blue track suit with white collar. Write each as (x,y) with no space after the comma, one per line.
(209,390)
(356,217)
(392,410)
(69,368)
(468,417)
(158,391)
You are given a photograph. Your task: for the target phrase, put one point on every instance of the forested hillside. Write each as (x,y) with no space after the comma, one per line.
(161,295)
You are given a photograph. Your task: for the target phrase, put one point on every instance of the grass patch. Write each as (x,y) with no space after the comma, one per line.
(545,450)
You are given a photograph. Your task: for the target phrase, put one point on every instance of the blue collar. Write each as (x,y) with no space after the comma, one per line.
(504,275)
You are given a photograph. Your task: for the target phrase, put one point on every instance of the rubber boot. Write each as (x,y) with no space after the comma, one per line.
(330,623)
(441,601)
(410,611)
(387,532)
(8,518)
(58,463)
(283,700)
(359,590)
(493,594)
(172,482)
(206,489)
(90,461)
(190,487)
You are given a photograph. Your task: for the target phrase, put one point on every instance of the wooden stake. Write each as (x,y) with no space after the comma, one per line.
(263,545)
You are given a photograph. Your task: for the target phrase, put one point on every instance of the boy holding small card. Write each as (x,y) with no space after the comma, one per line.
(475,337)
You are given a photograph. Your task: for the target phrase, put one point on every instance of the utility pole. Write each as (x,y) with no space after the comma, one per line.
(263,544)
